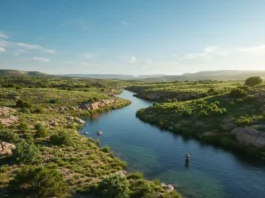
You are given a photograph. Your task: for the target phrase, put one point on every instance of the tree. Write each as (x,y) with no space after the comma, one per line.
(253,81)
(237,93)
(41,130)
(61,138)
(23,104)
(2,126)
(26,152)
(23,126)
(39,181)
(113,187)
(7,135)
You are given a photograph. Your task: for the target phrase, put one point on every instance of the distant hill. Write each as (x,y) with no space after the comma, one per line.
(202,75)
(10,72)
(213,75)
(114,76)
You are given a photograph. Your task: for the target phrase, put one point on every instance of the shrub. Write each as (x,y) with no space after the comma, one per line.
(237,93)
(23,104)
(41,130)
(253,81)
(2,126)
(61,138)
(26,152)
(114,186)
(38,182)
(244,121)
(38,110)
(203,113)
(23,127)
(53,101)
(187,113)
(141,188)
(7,135)
(106,149)
(135,175)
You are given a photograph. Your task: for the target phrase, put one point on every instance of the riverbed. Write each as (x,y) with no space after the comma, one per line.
(212,172)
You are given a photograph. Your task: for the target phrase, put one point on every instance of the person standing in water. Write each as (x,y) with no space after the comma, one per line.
(187,159)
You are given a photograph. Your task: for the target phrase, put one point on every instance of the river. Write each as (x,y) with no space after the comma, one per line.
(213,172)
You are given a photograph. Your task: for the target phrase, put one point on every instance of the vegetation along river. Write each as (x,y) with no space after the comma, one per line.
(213,172)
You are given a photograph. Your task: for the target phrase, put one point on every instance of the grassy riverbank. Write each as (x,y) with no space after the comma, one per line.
(40,117)
(218,117)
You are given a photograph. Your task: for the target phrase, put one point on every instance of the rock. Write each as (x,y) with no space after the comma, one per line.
(79,121)
(122,173)
(167,187)
(99,133)
(249,136)
(61,109)
(69,118)
(228,124)
(84,106)
(6,148)
(53,123)
(262,108)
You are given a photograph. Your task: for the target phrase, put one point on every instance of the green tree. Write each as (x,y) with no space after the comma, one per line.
(23,104)
(39,182)
(23,127)
(237,93)
(41,130)
(61,138)
(7,135)
(113,187)
(2,126)
(253,81)
(26,152)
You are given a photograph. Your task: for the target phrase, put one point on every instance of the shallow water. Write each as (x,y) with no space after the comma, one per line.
(213,172)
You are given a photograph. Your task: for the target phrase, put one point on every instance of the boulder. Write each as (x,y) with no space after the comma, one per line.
(167,187)
(69,118)
(249,136)
(53,123)
(84,106)
(79,121)
(122,173)
(6,148)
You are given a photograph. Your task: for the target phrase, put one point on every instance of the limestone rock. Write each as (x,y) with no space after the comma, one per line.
(167,187)
(79,121)
(53,123)
(249,136)
(122,173)
(6,148)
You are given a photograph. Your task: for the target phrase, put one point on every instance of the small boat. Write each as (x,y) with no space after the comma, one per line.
(99,133)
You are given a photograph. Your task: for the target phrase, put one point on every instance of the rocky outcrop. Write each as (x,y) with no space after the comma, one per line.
(6,148)
(100,104)
(167,187)
(6,116)
(228,124)
(122,173)
(251,136)
(79,121)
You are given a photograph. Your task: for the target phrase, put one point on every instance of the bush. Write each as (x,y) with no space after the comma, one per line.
(253,81)
(8,136)
(114,186)
(106,149)
(2,126)
(38,110)
(23,127)
(244,121)
(61,138)
(187,113)
(237,93)
(38,182)
(135,175)
(26,152)
(141,188)
(41,130)
(23,104)
(53,101)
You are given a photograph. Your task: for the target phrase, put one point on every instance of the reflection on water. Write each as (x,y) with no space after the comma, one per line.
(212,172)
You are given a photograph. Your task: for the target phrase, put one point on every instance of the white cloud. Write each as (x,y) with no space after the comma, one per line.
(46,60)
(29,46)
(50,51)
(130,59)
(2,49)
(206,53)
(18,52)
(4,36)
(88,55)
(255,49)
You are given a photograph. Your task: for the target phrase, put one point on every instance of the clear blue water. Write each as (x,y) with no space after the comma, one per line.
(213,172)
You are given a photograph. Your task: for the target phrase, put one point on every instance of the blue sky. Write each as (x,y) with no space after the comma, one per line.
(132,36)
